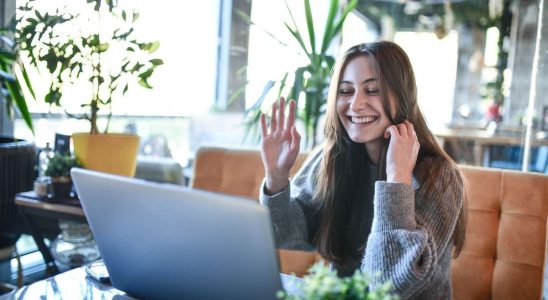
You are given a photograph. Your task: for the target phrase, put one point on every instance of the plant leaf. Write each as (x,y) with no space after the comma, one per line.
(299,39)
(295,31)
(28,83)
(20,103)
(103,47)
(351,5)
(150,47)
(310,26)
(143,82)
(333,6)
(156,61)
(257,105)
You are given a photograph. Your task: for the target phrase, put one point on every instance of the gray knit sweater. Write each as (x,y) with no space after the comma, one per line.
(410,239)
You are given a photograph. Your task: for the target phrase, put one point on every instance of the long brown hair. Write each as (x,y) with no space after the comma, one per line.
(342,158)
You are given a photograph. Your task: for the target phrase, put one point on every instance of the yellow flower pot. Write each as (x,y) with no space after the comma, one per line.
(110,153)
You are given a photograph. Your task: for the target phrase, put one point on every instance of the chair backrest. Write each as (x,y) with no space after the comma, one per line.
(504,252)
(231,171)
(505,248)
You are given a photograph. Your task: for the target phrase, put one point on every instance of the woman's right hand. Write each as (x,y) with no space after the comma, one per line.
(280,146)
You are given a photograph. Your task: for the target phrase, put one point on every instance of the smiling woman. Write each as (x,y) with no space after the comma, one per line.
(373,197)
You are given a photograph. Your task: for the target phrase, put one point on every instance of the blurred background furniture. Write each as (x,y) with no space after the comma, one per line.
(501,149)
(32,207)
(159,169)
(505,249)
(511,157)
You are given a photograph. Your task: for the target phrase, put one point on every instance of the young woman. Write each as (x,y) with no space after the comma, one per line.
(380,195)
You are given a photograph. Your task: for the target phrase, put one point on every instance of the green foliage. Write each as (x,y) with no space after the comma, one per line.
(430,15)
(312,79)
(60,165)
(70,52)
(324,284)
(13,83)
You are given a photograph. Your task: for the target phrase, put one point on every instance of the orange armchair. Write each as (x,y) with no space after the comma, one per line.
(505,248)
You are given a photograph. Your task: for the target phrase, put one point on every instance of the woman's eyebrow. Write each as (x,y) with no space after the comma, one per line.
(365,81)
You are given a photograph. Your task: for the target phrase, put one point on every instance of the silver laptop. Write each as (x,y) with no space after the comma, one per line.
(161,241)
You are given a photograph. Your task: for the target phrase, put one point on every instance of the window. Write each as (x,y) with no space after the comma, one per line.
(183,86)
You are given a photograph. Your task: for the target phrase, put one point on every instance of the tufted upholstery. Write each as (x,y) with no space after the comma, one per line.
(505,248)
(504,252)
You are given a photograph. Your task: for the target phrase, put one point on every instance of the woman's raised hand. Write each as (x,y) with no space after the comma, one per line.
(279,146)
(402,152)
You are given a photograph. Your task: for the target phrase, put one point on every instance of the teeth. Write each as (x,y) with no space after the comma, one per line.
(362,120)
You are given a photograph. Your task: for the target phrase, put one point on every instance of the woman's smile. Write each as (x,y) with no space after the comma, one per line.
(362,120)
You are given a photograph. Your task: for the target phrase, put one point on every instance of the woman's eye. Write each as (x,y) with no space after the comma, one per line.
(372,92)
(345,92)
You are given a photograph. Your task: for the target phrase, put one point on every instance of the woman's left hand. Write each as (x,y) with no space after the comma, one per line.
(402,152)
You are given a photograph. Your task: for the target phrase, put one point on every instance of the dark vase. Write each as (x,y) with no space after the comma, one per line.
(17,174)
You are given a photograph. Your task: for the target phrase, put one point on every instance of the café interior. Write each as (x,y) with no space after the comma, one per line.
(212,69)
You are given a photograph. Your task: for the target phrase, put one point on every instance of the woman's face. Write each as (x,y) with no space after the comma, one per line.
(359,104)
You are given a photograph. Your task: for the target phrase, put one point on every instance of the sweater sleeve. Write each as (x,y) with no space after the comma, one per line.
(411,230)
(292,209)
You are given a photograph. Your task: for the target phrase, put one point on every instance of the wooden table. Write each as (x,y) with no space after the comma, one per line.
(483,139)
(30,205)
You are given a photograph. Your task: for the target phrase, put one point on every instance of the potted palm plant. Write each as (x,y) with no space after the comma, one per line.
(110,58)
(311,79)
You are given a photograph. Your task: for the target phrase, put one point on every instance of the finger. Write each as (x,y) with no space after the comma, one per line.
(281,114)
(295,139)
(402,129)
(410,129)
(263,125)
(390,131)
(291,116)
(273,117)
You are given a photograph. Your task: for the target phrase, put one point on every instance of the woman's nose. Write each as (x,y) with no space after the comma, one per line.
(358,102)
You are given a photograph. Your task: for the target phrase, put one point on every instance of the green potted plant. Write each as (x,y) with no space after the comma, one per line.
(322,283)
(110,59)
(58,170)
(311,79)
